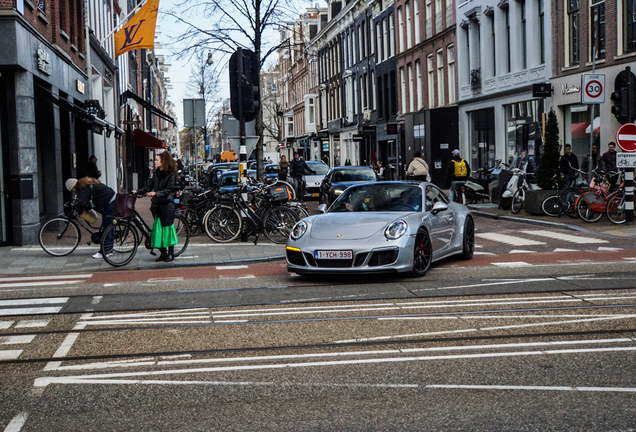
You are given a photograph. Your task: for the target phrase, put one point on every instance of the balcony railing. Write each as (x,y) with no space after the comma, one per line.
(475,80)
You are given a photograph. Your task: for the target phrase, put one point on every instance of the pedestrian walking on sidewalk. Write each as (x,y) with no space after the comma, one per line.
(160,188)
(297,169)
(283,168)
(94,195)
(418,167)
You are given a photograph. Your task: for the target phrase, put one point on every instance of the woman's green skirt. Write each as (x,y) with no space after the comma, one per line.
(163,237)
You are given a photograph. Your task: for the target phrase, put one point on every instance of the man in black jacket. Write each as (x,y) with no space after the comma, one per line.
(91,168)
(569,162)
(297,169)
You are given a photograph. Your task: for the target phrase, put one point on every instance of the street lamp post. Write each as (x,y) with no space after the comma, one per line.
(208,62)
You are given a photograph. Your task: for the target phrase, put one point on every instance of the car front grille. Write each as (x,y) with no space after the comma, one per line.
(383,257)
(334,263)
(295,258)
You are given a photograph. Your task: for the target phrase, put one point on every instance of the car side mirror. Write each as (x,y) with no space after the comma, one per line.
(439,207)
(322,208)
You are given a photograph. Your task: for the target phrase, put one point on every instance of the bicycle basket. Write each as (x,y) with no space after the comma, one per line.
(124,205)
(279,194)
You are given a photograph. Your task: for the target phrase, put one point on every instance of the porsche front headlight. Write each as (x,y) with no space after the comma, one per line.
(395,230)
(298,230)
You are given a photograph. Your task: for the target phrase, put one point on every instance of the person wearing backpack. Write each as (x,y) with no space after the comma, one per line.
(458,172)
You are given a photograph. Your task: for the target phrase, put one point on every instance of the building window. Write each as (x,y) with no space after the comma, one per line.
(412,89)
(391,36)
(380,98)
(401,30)
(312,111)
(363,91)
(41,5)
(361,53)
(393,90)
(431,81)
(290,126)
(573,28)
(416,7)
(372,41)
(450,58)
(440,78)
(403,88)
(542,29)
(597,27)
(507,14)
(372,102)
(629,12)
(378,35)
(409,24)
(418,72)
(493,41)
(524,50)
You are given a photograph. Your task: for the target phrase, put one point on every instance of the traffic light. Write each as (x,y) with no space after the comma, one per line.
(244,79)
(624,96)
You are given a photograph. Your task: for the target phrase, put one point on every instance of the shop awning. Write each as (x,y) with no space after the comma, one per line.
(144,139)
(153,109)
(578,130)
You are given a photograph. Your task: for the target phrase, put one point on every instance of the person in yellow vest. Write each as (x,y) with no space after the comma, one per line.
(458,172)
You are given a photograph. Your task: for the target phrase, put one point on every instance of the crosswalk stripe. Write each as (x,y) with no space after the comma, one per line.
(507,239)
(30,311)
(565,237)
(16,340)
(5,324)
(37,284)
(10,354)
(36,278)
(31,324)
(34,301)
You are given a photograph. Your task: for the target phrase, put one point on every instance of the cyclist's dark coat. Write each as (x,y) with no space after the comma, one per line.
(297,168)
(102,195)
(162,204)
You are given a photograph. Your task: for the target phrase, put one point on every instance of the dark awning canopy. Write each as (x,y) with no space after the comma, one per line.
(153,109)
(144,139)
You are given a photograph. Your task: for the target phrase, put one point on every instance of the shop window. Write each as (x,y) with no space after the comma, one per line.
(597,27)
(577,128)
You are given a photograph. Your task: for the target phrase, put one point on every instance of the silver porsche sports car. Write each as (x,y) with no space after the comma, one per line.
(398,227)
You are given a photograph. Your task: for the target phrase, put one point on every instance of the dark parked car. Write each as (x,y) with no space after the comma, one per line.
(340,178)
(271,171)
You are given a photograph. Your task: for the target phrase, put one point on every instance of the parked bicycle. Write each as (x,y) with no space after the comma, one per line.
(127,234)
(61,235)
(519,196)
(592,205)
(225,223)
(562,202)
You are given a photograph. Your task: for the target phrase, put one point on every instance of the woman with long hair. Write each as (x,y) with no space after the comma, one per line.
(161,189)
(94,195)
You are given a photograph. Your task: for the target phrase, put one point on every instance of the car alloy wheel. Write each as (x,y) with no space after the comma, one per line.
(468,247)
(422,253)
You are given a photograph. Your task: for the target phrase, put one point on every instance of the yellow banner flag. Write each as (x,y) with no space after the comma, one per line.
(139,31)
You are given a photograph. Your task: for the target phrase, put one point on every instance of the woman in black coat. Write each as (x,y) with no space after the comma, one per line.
(161,189)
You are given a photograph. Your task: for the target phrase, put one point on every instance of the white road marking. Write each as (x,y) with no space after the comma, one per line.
(37,284)
(16,424)
(10,354)
(231,267)
(36,278)
(185,313)
(30,311)
(96,299)
(68,342)
(565,237)
(483,253)
(166,279)
(512,264)
(564,250)
(111,284)
(519,251)
(609,249)
(468,317)
(488,284)
(33,301)
(510,240)
(408,335)
(148,322)
(187,257)
(32,323)
(16,340)
(539,388)
(230,321)
(86,379)
(5,324)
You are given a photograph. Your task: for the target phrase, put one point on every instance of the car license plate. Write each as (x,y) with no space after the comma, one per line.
(333,254)
(315,195)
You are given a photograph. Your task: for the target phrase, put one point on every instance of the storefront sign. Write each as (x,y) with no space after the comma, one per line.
(44,61)
(565,89)
(443,146)
(80,86)
(625,160)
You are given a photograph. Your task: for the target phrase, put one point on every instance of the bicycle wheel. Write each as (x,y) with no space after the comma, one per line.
(223,224)
(551,206)
(183,235)
(191,218)
(60,236)
(616,208)
(125,241)
(278,223)
(569,203)
(517,200)
(298,209)
(289,186)
(587,206)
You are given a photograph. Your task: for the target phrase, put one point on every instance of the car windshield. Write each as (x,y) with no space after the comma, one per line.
(379,197)
(320,168)
(271,169)
(350,175)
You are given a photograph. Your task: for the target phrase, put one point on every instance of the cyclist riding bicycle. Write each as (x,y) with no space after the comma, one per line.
(297,169)
(458,172)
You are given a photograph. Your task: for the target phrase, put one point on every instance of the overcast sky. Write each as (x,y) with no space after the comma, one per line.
(179,72)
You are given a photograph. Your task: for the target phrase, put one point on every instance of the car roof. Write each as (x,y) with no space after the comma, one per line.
(352,167)
(316,162)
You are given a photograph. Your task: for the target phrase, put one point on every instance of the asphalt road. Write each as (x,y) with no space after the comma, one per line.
(537,332)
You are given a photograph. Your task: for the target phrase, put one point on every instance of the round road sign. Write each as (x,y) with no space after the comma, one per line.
(594,89)
(626,137)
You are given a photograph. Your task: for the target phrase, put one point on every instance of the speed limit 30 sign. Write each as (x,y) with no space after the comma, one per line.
(593,88)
